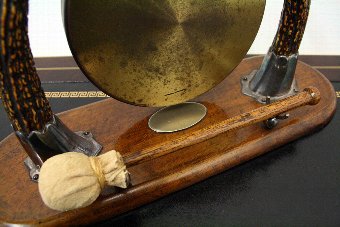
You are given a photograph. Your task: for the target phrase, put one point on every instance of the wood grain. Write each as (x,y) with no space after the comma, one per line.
(310,96)
(123,127)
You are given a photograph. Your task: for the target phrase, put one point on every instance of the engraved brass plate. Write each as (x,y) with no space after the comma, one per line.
(160,52)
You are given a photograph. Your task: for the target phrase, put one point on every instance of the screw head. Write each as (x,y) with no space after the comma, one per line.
(271,123)
(35,177)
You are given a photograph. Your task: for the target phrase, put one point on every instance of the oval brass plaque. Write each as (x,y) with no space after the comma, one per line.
(177,117)
(159,53)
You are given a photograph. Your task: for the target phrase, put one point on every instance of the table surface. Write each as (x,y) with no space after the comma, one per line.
(297,184)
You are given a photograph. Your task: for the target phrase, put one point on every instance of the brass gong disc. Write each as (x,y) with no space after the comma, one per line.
(160,52)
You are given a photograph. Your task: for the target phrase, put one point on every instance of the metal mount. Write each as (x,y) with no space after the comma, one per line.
(274,79)
(55,139)
(274,121)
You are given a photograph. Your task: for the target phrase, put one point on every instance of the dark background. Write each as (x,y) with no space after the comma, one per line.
(295,185)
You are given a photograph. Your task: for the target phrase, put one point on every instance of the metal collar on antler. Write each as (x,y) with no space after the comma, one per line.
(275,78)
(43,135)
(40,132)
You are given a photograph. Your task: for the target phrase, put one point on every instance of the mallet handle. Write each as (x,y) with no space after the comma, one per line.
(310,96)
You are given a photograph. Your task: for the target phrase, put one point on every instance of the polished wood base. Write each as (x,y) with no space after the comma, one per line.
(125,128)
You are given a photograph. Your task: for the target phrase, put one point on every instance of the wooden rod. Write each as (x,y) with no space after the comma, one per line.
(309,96)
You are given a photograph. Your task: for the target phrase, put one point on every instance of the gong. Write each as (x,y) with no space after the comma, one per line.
(160,52)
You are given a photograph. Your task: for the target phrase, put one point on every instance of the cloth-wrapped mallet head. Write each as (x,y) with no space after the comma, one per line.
(73,180)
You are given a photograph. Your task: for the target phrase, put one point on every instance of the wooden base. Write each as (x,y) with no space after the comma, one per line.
(125,128)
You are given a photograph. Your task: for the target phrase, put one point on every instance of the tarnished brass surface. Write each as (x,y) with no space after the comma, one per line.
(160,52)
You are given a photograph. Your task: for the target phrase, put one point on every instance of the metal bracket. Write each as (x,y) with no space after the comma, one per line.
(55,139)
(275,78)
(33,170)
(274,121)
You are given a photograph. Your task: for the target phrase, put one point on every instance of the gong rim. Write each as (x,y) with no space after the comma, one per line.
(67,16)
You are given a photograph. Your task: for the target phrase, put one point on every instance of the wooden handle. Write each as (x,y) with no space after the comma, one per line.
(20,87)
(310,96)
(292,27)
